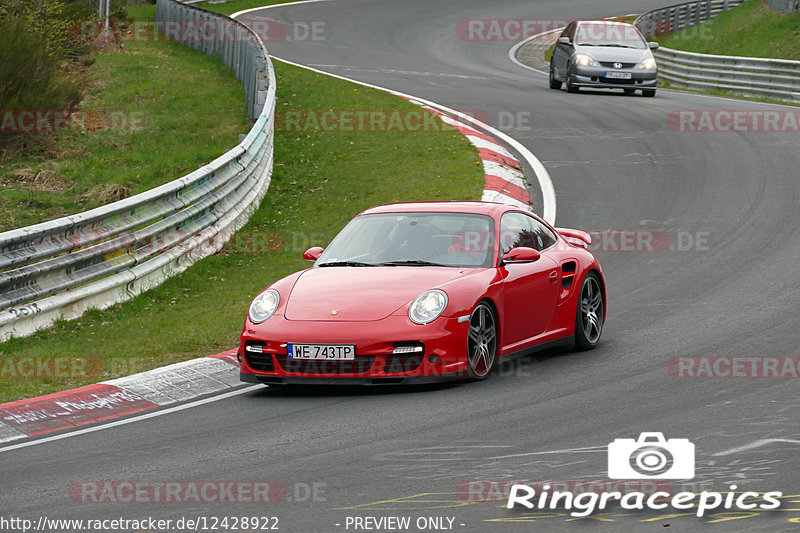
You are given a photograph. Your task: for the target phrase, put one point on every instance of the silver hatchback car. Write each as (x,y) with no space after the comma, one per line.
(606,55)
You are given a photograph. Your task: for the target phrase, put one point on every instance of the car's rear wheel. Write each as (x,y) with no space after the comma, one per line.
(648,92)
(554,83)
(629,91)
(590,314)
(481,341)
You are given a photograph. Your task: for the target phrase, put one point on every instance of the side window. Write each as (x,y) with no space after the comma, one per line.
(519,229)
(515,231)
(544,237)
(570,31)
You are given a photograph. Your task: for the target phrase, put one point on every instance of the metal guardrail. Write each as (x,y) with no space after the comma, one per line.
(778,79)
(681,16)
(787,6)
(59,269)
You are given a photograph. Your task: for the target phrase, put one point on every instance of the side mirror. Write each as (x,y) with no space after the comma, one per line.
(653,45)
(312,254)
(564,40)
(521,254)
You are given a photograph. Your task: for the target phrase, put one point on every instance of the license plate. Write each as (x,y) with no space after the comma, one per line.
(328,352)
(619,75)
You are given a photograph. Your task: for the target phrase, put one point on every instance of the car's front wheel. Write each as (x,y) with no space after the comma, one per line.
(554,83)
(481,341)
(590,314)
(571,87)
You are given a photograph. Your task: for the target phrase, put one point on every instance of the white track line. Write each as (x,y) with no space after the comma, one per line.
(512,52)
(135,418)
(243,11)
(542,176)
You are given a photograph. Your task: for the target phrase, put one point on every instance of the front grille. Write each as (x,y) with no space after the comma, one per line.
(359,365)
(617,81)
(397,363)
(256,359)
(610,64)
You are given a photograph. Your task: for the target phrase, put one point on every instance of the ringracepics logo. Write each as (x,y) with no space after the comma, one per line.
(651,456)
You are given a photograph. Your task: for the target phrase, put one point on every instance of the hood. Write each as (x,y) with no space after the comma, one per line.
(622,55)
(361,293)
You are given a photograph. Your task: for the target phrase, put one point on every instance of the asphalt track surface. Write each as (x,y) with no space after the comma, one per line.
(616,164)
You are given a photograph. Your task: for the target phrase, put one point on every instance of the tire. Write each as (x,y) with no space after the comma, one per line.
(554,83)
(481,342)
(629,91)
(648,92)
(570,87)
(590,313)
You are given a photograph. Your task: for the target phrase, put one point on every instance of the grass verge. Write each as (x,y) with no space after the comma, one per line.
(229,8)
(138,127)
(321,179)
(751,29)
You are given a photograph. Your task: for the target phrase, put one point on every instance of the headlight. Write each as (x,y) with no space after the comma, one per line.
(648,64)
(427,307)
(585,61)
(264,305)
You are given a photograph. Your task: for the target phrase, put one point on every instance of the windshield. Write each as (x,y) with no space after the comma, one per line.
(614,35)
(413,239)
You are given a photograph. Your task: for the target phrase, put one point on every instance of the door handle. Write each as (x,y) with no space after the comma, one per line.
(553,276)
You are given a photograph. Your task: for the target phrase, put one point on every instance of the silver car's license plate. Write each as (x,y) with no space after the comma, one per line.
(618,75)
(329,352)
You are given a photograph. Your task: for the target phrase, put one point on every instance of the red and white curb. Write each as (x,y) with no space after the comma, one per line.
(505,182)
(118,398)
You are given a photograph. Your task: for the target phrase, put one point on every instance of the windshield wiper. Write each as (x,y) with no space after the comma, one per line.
(346,264)
(411,262)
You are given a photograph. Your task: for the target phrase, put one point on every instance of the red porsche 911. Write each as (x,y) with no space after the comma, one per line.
(419,292)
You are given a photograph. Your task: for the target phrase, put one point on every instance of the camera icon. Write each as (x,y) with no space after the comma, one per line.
(651,457)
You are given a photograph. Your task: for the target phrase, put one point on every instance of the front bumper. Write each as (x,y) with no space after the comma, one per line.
(596,77)
(395,380)
(443,356)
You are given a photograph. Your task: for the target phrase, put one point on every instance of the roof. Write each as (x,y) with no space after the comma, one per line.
(485,208)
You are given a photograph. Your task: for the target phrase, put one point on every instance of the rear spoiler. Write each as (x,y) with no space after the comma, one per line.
(576,237)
